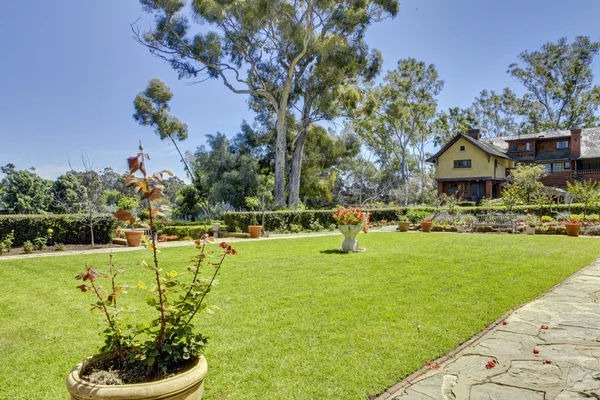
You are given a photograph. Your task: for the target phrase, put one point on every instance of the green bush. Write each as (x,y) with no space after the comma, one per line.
(28,247)
(194,231)
(67,228)
(307,219)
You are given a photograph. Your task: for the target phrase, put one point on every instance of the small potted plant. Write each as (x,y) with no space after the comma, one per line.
(532,224)
(426,224)
(350,223)
(160,359)
(460,225)
(573,226)
(403,222)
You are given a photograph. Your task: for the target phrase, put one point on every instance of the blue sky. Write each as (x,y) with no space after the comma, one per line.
(71,69)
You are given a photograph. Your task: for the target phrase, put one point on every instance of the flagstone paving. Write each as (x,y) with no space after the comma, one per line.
(547,350)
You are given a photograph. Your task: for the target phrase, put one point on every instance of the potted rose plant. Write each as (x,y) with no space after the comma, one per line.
(350,223)
(160,359)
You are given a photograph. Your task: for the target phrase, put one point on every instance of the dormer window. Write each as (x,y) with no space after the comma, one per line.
(562,145)
(528,146)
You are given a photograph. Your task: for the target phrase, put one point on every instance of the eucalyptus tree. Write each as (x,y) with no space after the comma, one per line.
(326,90)
(395,111)
(152,109)
(258,46)
(498,114)
(559,78)
(456,120)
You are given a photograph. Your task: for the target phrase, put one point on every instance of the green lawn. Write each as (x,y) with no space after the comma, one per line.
(296,320)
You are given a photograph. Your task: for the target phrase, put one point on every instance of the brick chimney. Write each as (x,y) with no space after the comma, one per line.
(474,133)
(575,142)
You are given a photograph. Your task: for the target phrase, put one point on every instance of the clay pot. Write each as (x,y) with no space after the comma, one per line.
(134,238)
(572,228)
(188,385)
(426,226)
(255,231)
(403,226)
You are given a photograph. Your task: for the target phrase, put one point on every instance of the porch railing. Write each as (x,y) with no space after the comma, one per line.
(567,174)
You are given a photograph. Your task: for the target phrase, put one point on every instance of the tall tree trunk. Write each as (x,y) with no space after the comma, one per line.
(92,226)
(298,152)
(280,150)
(296,171)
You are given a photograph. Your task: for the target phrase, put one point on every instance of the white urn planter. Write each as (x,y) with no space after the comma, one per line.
(350,231)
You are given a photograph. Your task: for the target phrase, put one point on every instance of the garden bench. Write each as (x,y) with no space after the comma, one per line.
(496,221)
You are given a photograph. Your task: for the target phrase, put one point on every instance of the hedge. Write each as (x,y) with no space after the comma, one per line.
(282,220)
(194,231)
(67,228)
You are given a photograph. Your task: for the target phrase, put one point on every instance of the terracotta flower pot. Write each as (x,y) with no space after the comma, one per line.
(134,238)
(572,228)
(426,226)
(403,226)
(188,385)
(255,231)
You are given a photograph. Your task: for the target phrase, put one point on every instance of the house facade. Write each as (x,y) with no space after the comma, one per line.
(473,168)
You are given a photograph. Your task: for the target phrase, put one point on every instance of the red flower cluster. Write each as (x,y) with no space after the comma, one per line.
(350,216)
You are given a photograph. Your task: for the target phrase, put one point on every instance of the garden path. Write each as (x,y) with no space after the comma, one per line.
(548,349)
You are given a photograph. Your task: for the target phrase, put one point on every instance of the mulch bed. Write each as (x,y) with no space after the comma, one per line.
(15,251)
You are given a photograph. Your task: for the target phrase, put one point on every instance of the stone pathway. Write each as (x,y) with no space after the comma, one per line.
(548,349)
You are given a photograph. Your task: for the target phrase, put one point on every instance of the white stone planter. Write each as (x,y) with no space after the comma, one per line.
(530,230)
(216,228)
(460,228)
(350,231)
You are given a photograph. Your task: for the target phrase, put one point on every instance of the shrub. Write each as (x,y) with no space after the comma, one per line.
(39,243)
(547,218)
(66,228)
(193,231)
(7,242)
(28,247)
(59,247)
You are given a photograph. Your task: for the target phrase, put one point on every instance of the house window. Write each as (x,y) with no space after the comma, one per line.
(547,167)
(462,163)
(528,146)
(567,165)
(562,145)
(557,166)
(514,147)
(462,148)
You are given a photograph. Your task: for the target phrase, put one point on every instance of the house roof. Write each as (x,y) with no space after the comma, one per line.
(483,145)
(539,135)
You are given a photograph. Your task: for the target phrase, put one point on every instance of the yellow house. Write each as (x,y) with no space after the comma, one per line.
(471,167)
